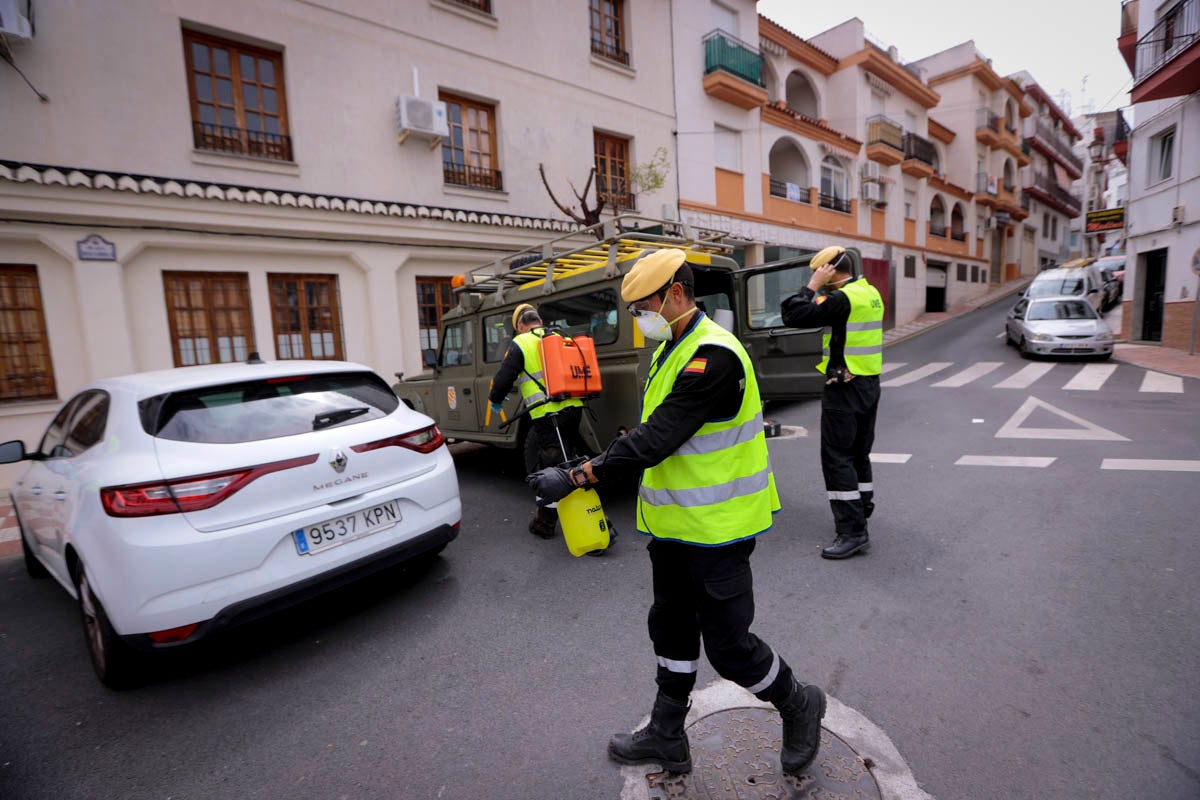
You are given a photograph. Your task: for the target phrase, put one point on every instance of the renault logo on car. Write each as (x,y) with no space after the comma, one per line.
(338,461)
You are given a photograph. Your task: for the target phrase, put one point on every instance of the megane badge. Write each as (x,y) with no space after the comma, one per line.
(338,461)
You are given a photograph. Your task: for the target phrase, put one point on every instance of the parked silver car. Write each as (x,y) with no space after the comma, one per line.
(1058,326)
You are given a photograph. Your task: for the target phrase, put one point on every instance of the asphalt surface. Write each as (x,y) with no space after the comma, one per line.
(1017,632)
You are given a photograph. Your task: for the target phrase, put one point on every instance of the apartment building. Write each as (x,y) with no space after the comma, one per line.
(1104,185)
(988,110)
(800,143)
(1160,42)
(1050,139)
(201,180)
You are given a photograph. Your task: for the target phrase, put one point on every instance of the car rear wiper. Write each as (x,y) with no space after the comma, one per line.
(332,418)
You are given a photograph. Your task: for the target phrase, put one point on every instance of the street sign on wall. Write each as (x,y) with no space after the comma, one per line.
(1107,219)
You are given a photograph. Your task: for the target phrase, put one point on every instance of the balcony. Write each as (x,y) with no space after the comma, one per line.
(1127,41)
(1046,190)
(986,187)
(1120,146)
(939,231)
(241,142)
(834,202)
(733,71)
(987,127)
(789,191)
(615,193)
(474,177)
(1045,139)
(885,141)
(1167,61)
(919,156)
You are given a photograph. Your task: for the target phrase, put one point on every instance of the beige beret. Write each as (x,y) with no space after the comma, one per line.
(826,256)
(521,309)
(650,273)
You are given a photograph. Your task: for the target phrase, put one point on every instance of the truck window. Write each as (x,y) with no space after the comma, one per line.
(457,345)
(497,333)
(594,314)
(767,290)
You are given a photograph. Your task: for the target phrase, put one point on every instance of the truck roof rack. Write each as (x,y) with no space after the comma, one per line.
(618,238)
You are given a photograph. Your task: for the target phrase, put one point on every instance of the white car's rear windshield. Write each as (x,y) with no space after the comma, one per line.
(1052,287)
(267,408)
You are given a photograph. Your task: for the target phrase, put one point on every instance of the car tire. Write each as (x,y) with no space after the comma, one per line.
(115,663)
(1024,349)
(34,567)
(1008,340)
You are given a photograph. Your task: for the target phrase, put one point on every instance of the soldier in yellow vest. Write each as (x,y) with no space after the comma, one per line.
(522,365)
(852,316)
(707,491)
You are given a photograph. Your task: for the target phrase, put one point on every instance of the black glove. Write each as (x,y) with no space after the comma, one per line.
(551,484)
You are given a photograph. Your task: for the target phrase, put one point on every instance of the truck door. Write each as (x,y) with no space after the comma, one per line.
(454,397)
(785,359)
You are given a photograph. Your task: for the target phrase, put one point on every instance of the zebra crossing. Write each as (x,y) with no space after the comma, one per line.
(1069,377)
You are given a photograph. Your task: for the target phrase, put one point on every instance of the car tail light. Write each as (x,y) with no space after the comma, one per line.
(425,440)
(173,634)
(193,493)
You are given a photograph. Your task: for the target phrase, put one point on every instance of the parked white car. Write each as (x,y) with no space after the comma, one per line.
(173,504)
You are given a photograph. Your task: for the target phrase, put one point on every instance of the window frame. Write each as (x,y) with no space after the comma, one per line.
(469,172)
(436,282)
(302,309)
(609,151)
(243,143)
(209,278)
(21,345)
(603,17)
(465,348)
(1162,159)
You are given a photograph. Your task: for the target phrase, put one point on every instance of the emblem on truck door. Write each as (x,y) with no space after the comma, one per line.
(338,460)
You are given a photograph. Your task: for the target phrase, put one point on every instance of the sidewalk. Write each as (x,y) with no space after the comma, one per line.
(1149,356)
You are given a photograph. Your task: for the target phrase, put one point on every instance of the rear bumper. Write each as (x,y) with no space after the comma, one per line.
(272,602)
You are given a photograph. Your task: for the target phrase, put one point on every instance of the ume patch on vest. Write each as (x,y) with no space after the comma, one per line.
(696,366)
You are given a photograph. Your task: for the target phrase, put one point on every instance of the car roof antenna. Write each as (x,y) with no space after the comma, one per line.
(254,358)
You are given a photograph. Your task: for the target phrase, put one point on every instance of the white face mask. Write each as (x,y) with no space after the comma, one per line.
(654,326)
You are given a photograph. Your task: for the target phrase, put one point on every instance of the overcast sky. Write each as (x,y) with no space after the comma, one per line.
(1056,41)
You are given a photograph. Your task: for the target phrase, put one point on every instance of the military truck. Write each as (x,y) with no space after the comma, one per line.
(577,289)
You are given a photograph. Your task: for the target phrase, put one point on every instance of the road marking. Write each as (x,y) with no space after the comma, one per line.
(1002,334)
(890,458)
(1091,377)
(1005,461)
(971,373)
(918,374)
(1024,378)
(1161,382)
(892,365)
(1163,465)
(1087,431)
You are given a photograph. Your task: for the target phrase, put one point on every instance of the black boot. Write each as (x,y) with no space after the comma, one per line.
(543,522)
(801,711)
(663,740)
(846,545)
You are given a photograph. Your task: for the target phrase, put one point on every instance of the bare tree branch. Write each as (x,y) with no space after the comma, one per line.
(586,216)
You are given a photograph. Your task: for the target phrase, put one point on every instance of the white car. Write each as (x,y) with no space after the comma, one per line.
(1058,326)
(173,504)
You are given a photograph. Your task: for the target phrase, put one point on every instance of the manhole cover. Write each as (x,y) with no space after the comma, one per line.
(735,754)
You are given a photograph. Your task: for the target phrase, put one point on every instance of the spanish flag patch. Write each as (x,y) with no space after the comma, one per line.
(820,299)
(696,366)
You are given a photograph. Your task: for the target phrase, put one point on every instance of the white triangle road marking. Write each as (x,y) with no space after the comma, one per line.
(1161,382)
(892,365)
(1085,431)
(1090,377)
(918,373)
(971,373)
(1157,464)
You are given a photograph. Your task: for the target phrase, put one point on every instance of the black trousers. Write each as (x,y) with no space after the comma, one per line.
(707,594)
(847,434)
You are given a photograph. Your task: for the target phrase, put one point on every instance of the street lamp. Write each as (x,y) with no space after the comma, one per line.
(1099,158)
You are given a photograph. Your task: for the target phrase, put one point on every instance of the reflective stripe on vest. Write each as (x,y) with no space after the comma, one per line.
(531,382)
(863,349)
(718,486)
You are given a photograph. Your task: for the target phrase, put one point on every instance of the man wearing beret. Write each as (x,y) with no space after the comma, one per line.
(706,493)
(522,365)
(852,316)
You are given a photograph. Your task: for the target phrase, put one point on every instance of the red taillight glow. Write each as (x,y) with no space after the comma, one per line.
(173,634)
(425,440)
(193,493)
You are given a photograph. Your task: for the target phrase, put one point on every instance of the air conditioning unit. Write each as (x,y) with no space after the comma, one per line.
(425,117)
(870,192)
(14,20)
(870,171)
(1177,215)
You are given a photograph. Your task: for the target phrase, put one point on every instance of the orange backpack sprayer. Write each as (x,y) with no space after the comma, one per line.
(569,366)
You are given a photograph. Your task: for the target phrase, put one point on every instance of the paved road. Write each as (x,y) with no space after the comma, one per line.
(1017,631)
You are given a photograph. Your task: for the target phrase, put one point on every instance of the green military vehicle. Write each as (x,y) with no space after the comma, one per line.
(577,289)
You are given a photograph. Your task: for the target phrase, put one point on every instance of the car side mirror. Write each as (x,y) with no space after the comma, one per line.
(12,452)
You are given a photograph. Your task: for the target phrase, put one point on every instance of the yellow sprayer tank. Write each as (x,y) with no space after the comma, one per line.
(583,522)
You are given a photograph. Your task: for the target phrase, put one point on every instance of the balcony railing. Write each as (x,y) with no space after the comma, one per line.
(475,177)
(835,202)
(609,50)
(1049,139)
(958,236)
(790,191)
(479,5)
(1049,186)
(1174,33)
(920,148)
(938,231)
(984,184)
(616,193)
(242,142)
(725,52)
(985,118)
(1129,17)
(881,130)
